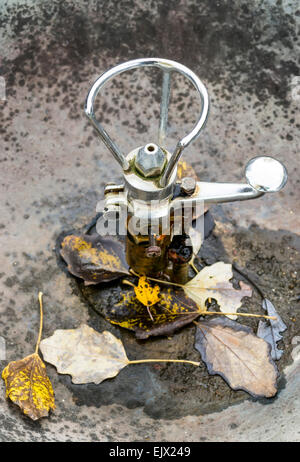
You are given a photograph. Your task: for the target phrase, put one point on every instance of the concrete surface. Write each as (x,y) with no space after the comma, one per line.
(53,169)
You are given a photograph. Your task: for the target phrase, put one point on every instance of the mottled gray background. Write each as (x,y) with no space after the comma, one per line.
(53,170)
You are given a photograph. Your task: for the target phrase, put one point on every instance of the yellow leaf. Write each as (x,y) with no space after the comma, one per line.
(28,386)
(184,169)
(27,383)
(146,294)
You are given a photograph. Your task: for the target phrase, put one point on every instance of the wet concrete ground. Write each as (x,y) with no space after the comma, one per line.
(53,170)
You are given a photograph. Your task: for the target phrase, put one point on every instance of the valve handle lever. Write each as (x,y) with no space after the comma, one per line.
(167,66)
(263,174)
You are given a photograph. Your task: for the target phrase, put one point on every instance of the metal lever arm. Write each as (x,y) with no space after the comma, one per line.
(263,174)
(215,193)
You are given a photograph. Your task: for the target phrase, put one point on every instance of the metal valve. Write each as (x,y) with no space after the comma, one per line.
(150,171)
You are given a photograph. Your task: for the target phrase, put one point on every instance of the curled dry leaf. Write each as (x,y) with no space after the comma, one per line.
(85,354)
(270,331)
(172,311)
(213,282)
(94,258)
(233,351)
(28,386)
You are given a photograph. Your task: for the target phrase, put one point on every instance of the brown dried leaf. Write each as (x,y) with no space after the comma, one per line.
(85,354)
(233,351)
(213,282)
(173,311)
(28,386)
(94,258)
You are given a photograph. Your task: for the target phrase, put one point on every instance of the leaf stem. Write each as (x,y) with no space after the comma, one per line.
(125,281)
(239,314)
(157,280)
(194,267)
(41,323)
(139,361)
(220,313)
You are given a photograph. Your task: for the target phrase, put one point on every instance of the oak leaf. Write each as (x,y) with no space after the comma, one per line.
(94,258)
(213,282)
(234,352)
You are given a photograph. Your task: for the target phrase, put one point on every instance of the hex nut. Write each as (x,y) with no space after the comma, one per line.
(188,185)
(150,160)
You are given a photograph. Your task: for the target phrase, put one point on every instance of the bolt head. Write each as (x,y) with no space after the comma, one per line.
(188,185)
(150,160)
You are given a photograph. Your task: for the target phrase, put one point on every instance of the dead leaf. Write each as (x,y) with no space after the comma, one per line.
(89,356)
(173,311)
(27,383)
(185,170)
(197,235)
(196,238)
(85,354)
(233,351)
(146,294)
(270,331)
(213,282)
(94,258)
(28,386)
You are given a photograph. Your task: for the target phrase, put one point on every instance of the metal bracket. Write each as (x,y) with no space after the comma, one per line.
(167,67)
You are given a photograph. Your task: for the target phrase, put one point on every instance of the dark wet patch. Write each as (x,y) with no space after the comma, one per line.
(170,391)
(243,47)
(11,281)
